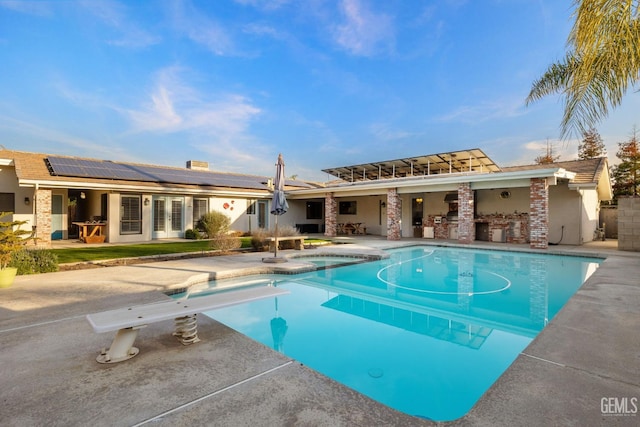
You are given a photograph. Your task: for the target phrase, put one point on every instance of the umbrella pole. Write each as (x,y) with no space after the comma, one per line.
(275,251)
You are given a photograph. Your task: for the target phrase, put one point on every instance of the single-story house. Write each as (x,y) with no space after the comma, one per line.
(461,195)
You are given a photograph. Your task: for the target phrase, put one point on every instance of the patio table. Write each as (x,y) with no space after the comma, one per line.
(91,231)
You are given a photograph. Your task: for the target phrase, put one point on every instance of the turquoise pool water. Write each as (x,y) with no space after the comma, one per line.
(426,331)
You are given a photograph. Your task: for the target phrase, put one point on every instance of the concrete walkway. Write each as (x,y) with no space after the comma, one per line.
(49,376)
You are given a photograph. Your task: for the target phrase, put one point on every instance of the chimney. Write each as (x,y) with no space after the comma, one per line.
(197,165)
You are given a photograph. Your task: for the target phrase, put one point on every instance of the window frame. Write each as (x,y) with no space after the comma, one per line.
(129,224)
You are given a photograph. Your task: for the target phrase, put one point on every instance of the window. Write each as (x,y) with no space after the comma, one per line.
(314,210)
(251,207)
(200,207)
(347,208)
(103,206)
(7,202)
(131,215)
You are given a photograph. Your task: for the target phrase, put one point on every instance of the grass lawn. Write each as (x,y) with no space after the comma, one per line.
(89,253)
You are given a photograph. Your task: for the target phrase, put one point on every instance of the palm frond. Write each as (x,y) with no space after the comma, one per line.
(602,63)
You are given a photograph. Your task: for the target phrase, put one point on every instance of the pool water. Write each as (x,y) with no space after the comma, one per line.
(330,260)
(426,331)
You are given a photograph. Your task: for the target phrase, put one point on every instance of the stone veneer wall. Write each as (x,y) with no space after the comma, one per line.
(394,231)
(43,217)
(330,215)
(629,224)
(515,226)
(539,213)
(440,230)
(466,225)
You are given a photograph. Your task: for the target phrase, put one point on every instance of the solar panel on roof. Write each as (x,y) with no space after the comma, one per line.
(64,166)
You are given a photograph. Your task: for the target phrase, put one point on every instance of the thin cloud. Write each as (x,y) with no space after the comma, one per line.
(114,15)
(474,114)
(264,4)
(201,29)
(30,129)
(36,8)
(565,149)
(363,32)
(384,132)
(173,106)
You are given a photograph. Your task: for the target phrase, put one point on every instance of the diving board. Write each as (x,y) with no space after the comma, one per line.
(127,321)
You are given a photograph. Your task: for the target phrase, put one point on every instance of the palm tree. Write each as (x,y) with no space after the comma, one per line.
(602,62)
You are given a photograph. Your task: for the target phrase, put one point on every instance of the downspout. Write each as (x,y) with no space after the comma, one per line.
(580,237)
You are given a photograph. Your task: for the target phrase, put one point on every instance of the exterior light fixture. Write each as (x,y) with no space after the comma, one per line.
(27,201)
(146,201)
(83,195)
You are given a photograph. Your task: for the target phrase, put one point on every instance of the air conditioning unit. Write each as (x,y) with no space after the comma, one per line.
(428,233)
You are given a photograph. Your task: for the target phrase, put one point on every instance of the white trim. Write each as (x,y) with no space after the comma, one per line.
(435,181)
(140,188)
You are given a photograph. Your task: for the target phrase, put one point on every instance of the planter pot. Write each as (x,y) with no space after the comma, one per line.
(6,276)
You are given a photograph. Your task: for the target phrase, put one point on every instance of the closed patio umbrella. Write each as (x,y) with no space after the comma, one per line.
(279,205)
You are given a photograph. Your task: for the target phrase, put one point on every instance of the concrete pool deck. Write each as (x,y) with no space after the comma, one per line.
(49,376)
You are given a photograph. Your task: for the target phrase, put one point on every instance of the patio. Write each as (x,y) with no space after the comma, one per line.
(589,352)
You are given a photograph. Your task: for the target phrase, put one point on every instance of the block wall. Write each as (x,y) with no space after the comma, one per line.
(629,224)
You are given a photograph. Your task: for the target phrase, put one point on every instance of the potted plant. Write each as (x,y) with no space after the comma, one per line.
(11,241)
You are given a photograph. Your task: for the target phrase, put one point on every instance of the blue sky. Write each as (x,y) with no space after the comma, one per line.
(325,83)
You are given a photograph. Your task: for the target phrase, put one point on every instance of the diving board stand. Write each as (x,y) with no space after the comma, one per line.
(127,321)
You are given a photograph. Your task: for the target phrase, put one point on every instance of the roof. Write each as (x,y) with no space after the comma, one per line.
(52,169)
(473,160)
(580,174)
(587,171)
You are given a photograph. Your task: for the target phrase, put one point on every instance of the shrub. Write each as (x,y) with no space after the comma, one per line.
(214,223)
(258,240)
(225,243)
(259,237)
(34,261)
(191,234)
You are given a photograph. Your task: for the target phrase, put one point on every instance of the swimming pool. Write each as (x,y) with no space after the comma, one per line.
(426,331)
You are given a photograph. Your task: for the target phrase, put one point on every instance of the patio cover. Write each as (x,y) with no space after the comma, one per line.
(473,160)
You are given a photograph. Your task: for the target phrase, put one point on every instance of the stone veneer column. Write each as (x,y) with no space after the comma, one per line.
(466,225)
(394,231)
(330,215)
(539,213)
(43,217)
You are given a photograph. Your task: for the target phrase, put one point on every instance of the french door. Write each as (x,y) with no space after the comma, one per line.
(56,217)
(168,217)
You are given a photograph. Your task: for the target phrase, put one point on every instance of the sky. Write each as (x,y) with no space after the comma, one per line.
(325,83)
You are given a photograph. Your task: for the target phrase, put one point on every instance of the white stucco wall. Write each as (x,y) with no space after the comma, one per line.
(590,214)
(235,208)
(9,184)
(367,212)
(565,211)
(490,201)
